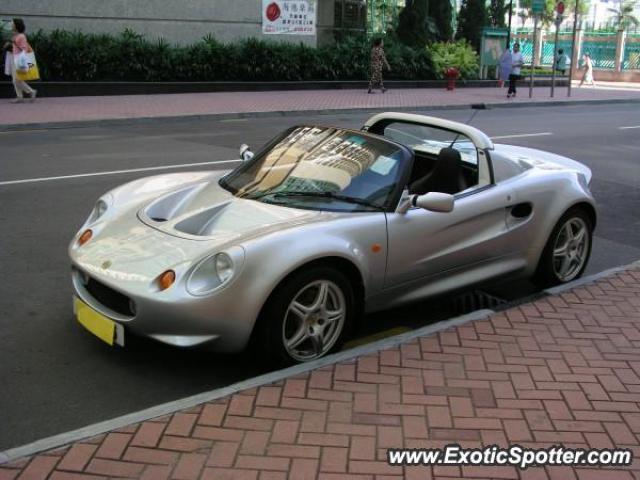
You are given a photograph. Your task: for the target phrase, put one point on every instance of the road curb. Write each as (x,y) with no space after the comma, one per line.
(271,377)
(106,122)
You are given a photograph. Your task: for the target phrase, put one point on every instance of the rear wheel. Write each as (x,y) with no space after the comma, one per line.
(308,317)
(567,251)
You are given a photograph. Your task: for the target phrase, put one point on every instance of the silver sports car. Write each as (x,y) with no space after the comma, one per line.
(323,224)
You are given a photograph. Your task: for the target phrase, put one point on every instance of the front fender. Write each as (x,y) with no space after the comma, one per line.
(360,239)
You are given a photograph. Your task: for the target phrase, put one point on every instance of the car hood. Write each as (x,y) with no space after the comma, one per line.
(542,160)
(205,211)
(175,228)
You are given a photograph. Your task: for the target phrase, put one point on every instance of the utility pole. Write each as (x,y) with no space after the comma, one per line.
(573,48)
(559,12)
(510,15)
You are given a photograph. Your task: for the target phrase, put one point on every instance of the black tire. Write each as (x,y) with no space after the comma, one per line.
(547,274)
(268,339)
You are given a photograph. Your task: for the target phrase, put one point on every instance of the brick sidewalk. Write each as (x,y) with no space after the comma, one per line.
(563,369)
(72,109)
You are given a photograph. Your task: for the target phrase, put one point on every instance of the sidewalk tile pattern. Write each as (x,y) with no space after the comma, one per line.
(71,109)
(563,369)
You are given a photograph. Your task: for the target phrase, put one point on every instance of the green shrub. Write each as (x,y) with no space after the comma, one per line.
(455,54)
(128,56)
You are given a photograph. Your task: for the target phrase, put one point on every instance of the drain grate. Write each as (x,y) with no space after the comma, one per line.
(475,300)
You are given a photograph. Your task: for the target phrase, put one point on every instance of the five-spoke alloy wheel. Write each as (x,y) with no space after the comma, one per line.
(314,320)
(307,317)
(567,251)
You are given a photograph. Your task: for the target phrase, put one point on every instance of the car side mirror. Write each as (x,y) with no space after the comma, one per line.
(245,152)
(434,202)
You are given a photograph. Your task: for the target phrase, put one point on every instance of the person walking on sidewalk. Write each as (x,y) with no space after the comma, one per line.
(378,60)
(588,71)
(517,61)
(18,44)
(504,67)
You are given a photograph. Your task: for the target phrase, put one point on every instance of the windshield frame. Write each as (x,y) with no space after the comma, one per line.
(389,206)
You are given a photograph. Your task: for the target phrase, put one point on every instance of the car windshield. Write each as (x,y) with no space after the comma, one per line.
(322,168)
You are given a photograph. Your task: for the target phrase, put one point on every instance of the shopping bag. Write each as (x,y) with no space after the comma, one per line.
(22,62)
(31,72)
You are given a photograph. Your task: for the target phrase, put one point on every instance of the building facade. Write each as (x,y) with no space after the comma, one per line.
(181,22)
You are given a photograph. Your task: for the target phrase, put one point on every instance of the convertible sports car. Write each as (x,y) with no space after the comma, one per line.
(286,251)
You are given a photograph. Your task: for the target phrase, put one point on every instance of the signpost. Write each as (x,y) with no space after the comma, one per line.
(537,8)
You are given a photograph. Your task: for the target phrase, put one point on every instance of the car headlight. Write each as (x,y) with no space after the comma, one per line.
(214,271)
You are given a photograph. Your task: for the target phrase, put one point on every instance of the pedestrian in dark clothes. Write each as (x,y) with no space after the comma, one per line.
(378,60)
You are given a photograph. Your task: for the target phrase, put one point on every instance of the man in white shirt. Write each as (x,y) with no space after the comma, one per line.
(516,63)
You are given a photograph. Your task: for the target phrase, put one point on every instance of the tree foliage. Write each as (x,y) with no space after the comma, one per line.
(415,27)
(442,14)
(625,14)
(497,11)
(472,18)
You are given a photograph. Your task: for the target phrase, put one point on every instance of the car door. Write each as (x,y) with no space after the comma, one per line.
(425,244)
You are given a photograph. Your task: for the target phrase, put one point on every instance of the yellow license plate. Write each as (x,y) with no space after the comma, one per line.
(96,323)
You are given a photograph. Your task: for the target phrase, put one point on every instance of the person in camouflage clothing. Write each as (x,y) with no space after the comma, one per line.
(378,60)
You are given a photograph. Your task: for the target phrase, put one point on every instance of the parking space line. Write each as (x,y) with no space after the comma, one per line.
(541,134)
(115,172)
(629,128)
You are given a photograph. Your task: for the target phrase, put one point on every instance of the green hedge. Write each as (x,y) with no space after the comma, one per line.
(76,56)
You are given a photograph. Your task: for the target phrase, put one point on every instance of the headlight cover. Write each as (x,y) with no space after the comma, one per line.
(215,271)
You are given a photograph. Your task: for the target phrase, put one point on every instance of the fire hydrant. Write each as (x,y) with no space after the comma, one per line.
(451,74)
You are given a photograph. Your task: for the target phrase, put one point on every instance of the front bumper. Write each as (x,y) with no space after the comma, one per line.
(222,322)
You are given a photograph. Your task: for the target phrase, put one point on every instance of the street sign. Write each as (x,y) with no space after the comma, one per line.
(559,20)
(560,8)
(537,7)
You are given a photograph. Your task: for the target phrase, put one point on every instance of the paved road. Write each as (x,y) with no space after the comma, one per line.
(55,377)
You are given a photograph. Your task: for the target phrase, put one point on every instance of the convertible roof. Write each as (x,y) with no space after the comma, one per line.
(476,136)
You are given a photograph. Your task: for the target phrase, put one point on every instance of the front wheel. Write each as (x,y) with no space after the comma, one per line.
(567,251)
(308,316)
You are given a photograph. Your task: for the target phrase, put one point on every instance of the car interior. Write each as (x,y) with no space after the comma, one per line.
(443,160)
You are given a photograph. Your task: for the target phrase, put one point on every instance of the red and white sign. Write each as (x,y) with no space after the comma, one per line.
(289,17)
(560,8)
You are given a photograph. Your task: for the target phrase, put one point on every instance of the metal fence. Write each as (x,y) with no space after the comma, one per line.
(600,45)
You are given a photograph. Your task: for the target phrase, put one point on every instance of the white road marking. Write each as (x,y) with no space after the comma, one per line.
(115,172)
(628,128)
(541,134)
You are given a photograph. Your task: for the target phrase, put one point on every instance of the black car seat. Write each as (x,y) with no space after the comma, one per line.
(446,176)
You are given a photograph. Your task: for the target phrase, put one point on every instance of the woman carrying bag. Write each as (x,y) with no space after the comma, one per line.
(22,63)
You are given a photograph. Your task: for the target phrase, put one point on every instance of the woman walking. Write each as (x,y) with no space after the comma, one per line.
(378,60)
(19,44)
(588,71)
(504,67)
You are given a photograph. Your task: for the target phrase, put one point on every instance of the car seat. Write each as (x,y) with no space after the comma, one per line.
(446,176)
